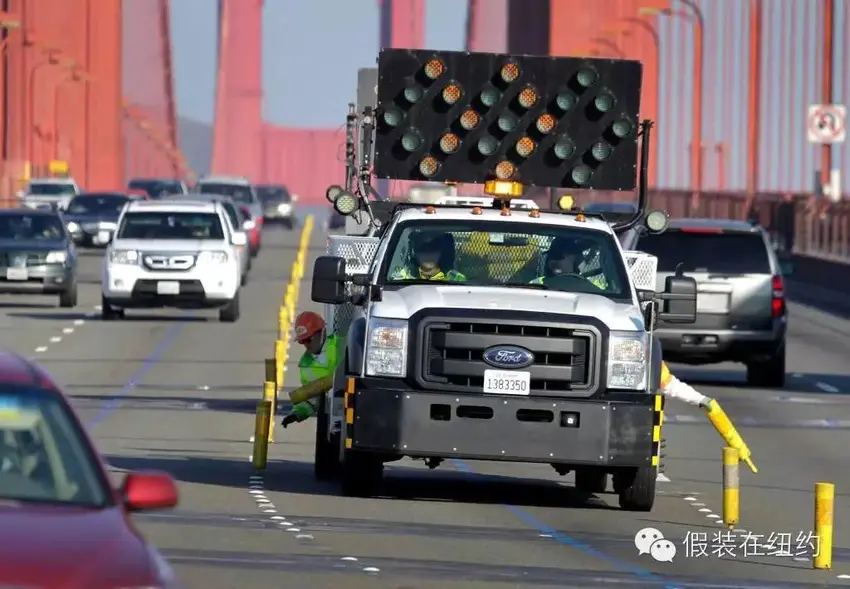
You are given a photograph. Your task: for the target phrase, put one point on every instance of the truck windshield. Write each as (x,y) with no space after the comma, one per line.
(496,253)
(50,189)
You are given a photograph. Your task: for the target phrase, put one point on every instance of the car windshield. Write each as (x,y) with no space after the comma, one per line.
(168,225)
(269,194)
(31,227)
(50,189)
(44,456)
(231,213)
(97,204)
(715,253)
(496,253)
(238,192)
(157,188)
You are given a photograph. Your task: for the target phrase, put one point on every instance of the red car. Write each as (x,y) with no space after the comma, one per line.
(62,524)
(254,229)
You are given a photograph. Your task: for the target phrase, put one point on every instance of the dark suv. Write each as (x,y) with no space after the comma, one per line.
(741,311)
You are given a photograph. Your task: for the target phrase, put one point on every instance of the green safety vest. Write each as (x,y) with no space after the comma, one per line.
(311,369)
(450,276)
(597,281)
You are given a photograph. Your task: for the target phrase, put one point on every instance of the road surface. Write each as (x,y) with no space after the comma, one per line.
(176,391)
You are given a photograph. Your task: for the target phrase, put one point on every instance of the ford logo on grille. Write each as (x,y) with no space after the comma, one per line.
(508,357)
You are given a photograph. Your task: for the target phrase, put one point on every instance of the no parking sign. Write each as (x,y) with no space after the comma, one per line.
(827,123)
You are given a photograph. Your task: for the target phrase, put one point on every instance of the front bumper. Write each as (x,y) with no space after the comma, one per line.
(131,286)
(44,279)
(395,421)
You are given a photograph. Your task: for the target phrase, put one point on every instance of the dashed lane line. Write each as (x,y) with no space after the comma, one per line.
(257,491)
(66,331)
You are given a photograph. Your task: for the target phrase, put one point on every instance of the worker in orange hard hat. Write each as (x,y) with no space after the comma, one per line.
(321,355)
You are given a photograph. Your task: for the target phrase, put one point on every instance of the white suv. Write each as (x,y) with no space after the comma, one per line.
(172,254)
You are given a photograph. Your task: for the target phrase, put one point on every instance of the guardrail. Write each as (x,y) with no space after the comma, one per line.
(275,367)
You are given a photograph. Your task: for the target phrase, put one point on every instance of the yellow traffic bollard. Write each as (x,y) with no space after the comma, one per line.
(270,395)
(279,362)
(731,487)
(262,427)
(824,513)
(282,322)
(270,375)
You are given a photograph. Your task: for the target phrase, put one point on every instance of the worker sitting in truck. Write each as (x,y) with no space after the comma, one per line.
(321,355)
(564,258)
(431,257)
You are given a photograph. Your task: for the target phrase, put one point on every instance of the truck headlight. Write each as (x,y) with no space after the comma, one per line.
(627,358)
(124,257)
(213,258)
(57,257)
(73,227)
(386,348)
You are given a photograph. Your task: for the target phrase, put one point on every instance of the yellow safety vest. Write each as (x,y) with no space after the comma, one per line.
(450,276)
(597,281)
(311,368)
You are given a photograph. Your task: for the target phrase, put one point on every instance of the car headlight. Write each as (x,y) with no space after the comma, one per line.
(386,351)
(129,257)
(73,227)
(57,257)
(212,258)
(283,208)
(627,358)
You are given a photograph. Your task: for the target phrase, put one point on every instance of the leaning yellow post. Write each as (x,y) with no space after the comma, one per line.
(731,487)
(270,375)
(262,424)
(824,514)
(280,363)
(270,395)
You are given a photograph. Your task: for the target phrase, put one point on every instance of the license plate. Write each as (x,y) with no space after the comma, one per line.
(507,382)
(711,302)
(168,288)
(17,274)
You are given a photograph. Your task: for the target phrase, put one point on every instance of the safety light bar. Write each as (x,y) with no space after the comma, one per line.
(476,117)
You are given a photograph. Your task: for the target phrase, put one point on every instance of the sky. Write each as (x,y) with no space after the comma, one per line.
(349,41)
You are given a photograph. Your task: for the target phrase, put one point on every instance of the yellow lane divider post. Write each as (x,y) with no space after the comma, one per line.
(731,487)
(269,392)
(824,514)
(263,429)
(282,322)
(280,363)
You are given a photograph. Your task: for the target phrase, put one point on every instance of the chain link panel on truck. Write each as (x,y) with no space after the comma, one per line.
(358,253)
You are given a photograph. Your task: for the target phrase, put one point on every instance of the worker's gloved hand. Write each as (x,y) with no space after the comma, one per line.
(289,419)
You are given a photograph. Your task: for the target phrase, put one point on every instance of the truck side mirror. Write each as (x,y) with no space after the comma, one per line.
(329,280)
(679,299)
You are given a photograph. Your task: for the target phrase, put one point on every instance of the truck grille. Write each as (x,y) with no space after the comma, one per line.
(564,355)
(22,259)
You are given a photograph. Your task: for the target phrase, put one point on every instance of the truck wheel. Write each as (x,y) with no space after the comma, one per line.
(108,312)
(636,488)
(326,461)
(590,479)
(230,312)
(361,474)
(68,298)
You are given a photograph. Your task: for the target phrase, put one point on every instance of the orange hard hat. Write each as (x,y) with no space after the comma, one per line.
(308,324)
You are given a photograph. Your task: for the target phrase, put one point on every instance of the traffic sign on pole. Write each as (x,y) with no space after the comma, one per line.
(827,123)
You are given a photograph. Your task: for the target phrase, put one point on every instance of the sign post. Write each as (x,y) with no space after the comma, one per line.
(827,123)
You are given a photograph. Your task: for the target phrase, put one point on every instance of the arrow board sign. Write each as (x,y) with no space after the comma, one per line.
(827,123)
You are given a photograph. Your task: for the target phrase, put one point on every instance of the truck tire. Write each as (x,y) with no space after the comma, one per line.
(326,461)
(361,474)
(636,488)
(768,374)
(591,479)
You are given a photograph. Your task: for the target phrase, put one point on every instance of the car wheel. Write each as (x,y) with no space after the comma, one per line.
(244,280)
(68,299)
(230,312)
(636,488)
(770,373)
(108,312)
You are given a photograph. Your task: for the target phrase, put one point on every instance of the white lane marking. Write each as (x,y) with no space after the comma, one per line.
(662,478)
(79,321)
(256,490)
(55,339)
(68,330)
(797,375)
(704,510)
(41,349)
(712,516)
(827,388)
(689,498)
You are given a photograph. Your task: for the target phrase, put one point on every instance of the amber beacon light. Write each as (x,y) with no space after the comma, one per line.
(452,116)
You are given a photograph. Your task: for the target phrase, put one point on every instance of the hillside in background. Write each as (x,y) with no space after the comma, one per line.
(196,143)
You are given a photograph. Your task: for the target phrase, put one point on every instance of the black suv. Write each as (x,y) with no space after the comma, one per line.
(741,311)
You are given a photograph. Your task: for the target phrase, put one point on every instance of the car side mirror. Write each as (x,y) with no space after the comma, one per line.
(239,239)
(650,316)
(679,299)
(146,491)
(329,280)
(104,237)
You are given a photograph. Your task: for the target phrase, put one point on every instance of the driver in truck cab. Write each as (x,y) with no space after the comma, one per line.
(565,257)
(431,257)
